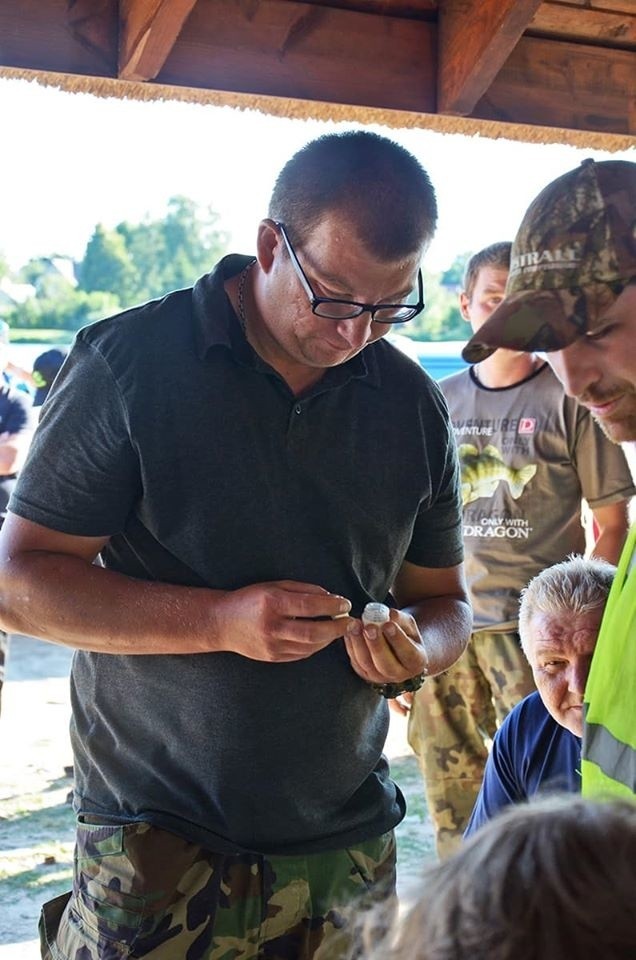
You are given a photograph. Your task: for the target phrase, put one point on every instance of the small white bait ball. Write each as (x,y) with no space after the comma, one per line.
(376,614)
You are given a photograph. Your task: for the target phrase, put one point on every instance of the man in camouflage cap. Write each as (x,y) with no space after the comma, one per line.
(572,293)
(572,282)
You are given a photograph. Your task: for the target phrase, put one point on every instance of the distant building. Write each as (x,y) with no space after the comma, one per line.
(63,265)
(12,294)
(44,268)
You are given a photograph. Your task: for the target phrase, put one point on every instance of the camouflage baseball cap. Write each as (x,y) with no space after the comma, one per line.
(573,254)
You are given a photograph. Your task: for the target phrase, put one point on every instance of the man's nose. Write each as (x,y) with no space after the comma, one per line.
(574,367)
(577,676)
(356,330)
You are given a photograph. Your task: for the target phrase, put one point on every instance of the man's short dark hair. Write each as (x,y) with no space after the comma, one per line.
(377,184)
(496,255)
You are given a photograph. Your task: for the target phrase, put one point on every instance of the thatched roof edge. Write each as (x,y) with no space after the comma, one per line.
(318,110)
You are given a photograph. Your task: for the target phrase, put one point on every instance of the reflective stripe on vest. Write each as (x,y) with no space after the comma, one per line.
(614,759)
(609,730)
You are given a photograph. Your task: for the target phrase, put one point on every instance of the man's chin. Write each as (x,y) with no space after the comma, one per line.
(574,724)
(618,431)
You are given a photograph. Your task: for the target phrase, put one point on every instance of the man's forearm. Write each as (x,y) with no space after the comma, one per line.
(69,601)
(609,543)
(12,457)
(445,624)
(611,523)
(65,598)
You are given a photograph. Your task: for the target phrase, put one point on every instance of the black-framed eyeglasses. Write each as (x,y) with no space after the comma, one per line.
(334,309)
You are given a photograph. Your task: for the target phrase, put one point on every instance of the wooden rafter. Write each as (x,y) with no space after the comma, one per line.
(475,39)
(148,30)
(304,50)
(571,70)
(546,81)
(593,25)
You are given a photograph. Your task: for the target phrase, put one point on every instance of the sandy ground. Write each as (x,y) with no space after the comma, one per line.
(36,823)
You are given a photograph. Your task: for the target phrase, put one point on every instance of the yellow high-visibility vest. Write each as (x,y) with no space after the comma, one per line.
(608,765)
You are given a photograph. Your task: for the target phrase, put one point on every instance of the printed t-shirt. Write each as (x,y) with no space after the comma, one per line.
(528,456)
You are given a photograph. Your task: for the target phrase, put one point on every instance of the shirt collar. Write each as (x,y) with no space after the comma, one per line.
(215,322)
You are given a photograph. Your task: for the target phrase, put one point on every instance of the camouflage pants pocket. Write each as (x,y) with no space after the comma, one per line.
(355,881)
(84,929)
(97,920)
(374,864)
(49,924)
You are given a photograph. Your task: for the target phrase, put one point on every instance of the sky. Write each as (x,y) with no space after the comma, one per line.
(70,161)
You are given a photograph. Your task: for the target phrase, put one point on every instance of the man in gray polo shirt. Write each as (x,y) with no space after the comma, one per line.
(253,463)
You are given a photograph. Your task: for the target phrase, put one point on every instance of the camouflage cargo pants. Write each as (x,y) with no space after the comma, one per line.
(139,891)
(453,720)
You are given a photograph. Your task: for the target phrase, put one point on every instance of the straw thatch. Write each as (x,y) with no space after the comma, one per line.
(317,110)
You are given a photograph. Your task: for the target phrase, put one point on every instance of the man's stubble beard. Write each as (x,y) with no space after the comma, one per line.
(619,431)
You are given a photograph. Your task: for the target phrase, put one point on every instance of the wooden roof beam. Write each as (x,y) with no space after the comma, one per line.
(288,51)
(306,51)
(148,30)
(475,38)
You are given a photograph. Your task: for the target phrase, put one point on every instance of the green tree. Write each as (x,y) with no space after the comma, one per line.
(453,276)
(27,314)
(4,266)
(172,252)
(34,270)
(145,248)
(53,286)
(192,243)
(132,263)
(69,309)
(107,265)
(441,318)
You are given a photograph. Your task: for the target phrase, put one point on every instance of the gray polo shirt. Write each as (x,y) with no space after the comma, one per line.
(167,433)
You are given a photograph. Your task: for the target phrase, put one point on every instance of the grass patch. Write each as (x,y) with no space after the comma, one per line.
(37,839)
(34,820)
(33,827)
(44,336)
(37,881)
(414,836)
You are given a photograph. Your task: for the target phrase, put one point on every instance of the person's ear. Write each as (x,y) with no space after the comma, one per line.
(464,304)
(268,244)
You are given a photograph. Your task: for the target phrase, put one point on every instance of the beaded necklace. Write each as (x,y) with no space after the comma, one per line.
(241,296)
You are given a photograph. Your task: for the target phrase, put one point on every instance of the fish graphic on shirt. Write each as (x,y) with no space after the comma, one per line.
(481,472)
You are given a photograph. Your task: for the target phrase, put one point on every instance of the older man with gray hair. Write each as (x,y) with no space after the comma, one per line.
(538,746)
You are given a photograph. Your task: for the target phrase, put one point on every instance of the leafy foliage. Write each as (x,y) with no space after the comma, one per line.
(129,264)
(69,309)
(135,262)
(138,262)
(36,271)
(453,277)
(107,265)
(441,318)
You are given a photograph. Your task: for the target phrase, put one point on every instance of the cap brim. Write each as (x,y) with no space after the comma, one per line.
(536,321)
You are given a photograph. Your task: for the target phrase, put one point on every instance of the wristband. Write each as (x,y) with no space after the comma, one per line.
(392,690)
